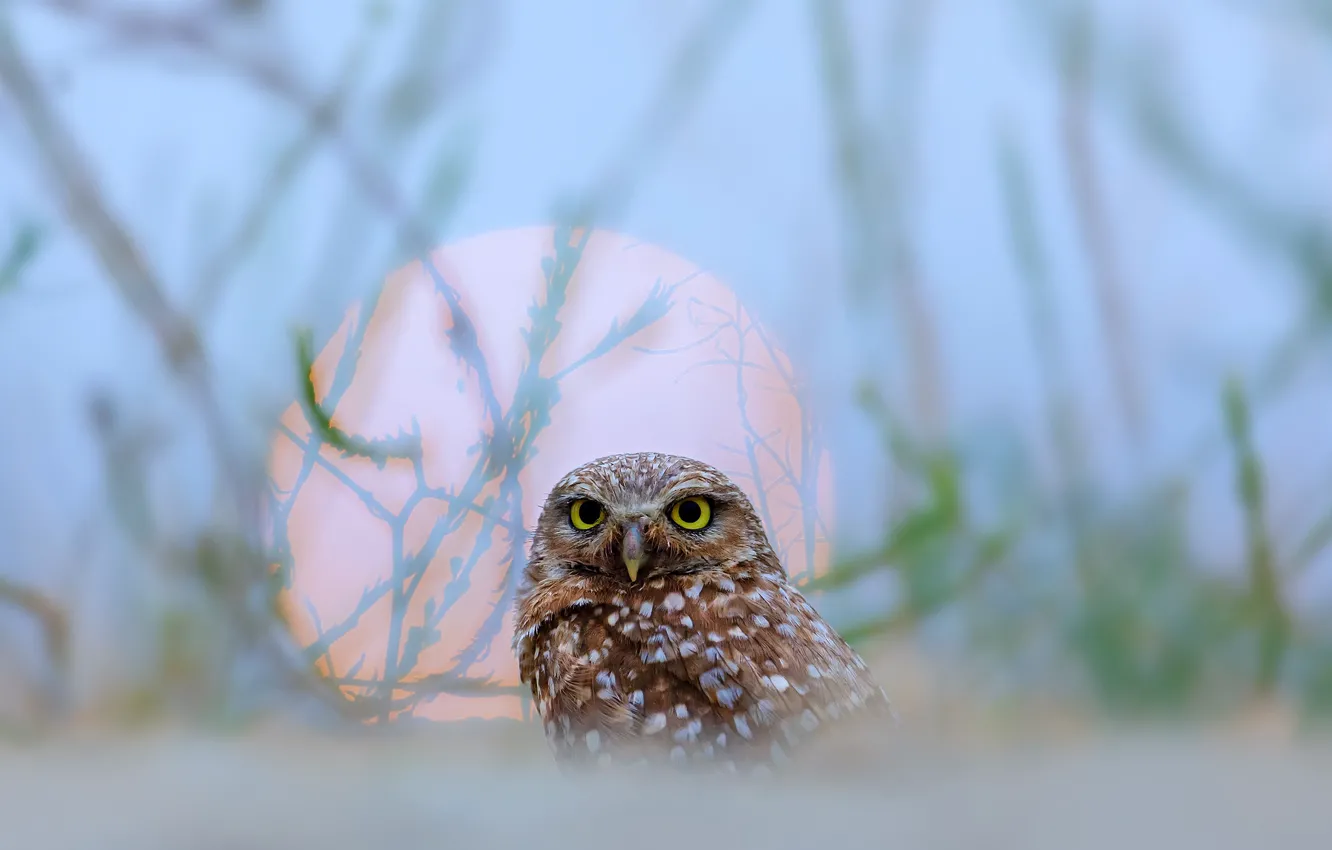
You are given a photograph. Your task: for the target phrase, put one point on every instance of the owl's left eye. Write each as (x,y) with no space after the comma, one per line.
(585,514)
(693,513)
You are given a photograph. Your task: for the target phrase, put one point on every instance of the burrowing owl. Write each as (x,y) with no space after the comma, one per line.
(655,622)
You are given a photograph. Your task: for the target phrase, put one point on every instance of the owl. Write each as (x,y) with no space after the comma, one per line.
(655,624)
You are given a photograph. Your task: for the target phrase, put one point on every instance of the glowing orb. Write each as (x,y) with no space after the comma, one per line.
(466,389)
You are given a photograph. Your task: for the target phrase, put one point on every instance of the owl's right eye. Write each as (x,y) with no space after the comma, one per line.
(585,514)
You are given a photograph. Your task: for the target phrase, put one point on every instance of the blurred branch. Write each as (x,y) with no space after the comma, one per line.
(125,265)
(139,287)
(1301,13)
(281,176)
(909,37)
(913,610)
(82,202)
(51,617)
(695,60)
(851,139)
(1313,544)
(1143,100)
(871,167)
(1061,406)
(405,447)
(1297,236)
(436,683)
(938,518)
(193,33)
(27,242)
(1094,223)
(1264,579)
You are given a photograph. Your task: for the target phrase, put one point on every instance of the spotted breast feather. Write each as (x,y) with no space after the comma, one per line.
(733,670)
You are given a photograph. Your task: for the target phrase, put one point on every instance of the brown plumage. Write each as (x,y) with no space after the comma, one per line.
(655,623)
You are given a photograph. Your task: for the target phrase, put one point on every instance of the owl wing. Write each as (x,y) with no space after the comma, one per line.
(775,671)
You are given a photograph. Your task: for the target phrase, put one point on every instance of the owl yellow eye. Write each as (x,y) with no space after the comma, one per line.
(692,513)
(586,514)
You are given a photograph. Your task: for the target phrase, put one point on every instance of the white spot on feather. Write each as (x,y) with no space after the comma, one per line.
(728,697)
(712,679)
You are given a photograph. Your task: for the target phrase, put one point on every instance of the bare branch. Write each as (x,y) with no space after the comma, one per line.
(51,617)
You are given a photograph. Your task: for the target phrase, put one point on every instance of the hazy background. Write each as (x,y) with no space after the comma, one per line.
(1059,273)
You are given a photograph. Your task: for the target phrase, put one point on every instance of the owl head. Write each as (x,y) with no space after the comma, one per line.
(634,517)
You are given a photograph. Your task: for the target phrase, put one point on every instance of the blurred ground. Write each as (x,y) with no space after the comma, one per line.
(953,774)
(277,791)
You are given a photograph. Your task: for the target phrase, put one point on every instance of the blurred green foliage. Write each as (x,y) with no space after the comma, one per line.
(23,248)
(1097,598)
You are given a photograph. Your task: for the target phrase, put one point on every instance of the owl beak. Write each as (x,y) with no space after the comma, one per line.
(631,549)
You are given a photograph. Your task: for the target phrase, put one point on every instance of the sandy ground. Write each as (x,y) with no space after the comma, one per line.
(493,786)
